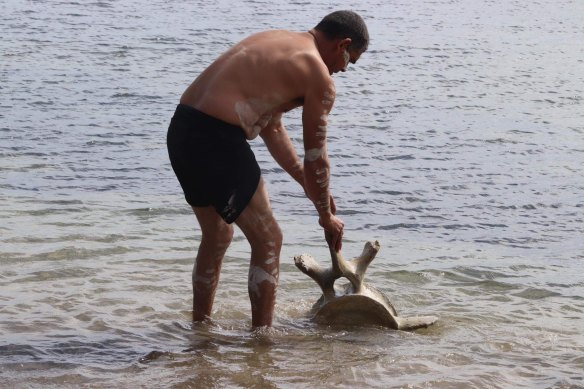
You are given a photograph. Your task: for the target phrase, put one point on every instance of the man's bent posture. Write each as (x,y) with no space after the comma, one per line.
(241,95)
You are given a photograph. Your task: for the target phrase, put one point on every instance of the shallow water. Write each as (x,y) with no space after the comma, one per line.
(456,141)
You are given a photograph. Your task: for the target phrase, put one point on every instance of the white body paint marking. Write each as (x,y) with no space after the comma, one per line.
(205,280)
(313,154)
(329,98)
(255,113)
(323,183)
(247,116)
(255,131)
(272,256)
(297,166)
(264,221)
(257,275)
(270,260)
(322,132)
(264,119)
(323,202)
(322,126)
(247,111)
(346,57)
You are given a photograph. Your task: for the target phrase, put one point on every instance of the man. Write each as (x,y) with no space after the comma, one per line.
(241,95)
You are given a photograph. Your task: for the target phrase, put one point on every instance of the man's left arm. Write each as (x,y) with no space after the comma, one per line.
(281,148)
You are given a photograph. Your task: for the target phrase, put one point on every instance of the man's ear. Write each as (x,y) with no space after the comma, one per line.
(345,43)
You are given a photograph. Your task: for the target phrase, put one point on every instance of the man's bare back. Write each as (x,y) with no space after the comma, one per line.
(258,78)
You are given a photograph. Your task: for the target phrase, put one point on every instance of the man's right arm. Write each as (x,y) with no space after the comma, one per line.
(318,102)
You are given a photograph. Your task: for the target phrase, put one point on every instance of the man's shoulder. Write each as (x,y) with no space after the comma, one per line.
(311,66)
(317,74)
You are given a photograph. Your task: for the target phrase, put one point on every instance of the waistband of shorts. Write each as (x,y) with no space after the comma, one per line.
(204,122)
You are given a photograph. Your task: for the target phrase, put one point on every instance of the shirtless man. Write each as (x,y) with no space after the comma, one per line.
(241,95)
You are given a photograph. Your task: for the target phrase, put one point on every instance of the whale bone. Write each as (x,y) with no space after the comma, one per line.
(356,302)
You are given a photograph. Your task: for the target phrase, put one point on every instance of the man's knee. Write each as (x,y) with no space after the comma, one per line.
(259,226)
(221,235)
(225,234)
(214,230)
(270,235)
(276,234)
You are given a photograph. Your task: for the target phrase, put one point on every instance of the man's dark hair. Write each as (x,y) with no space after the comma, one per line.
(345,24)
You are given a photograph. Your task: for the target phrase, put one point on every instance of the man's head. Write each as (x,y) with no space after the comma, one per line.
(345,24)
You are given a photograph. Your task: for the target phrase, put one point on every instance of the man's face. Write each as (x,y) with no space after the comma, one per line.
(346,56)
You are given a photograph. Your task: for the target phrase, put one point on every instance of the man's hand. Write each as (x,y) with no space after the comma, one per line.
(333,230)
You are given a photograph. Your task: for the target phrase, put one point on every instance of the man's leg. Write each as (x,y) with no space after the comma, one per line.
(216,237)
(263,233)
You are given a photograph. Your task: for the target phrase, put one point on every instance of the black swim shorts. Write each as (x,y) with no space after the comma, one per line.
(212,161)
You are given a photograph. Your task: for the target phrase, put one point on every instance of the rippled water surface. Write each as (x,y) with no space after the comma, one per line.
(457,141)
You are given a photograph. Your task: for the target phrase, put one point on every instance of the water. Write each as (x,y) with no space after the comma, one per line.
(457,141)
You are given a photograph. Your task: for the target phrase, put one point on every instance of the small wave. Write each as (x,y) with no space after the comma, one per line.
(129,95)
(536,294)
(21,352)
